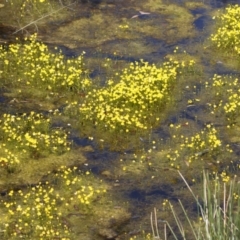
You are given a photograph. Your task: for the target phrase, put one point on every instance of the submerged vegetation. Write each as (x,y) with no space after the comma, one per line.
(126,112)
(225,94)
(205,144)
(30,14)
(32,133)
(39,211)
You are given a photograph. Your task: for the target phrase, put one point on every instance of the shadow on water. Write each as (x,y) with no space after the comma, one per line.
(165,191)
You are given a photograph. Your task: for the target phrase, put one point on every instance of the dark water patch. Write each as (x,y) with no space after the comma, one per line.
(236,149)
(92,2)
(85,141)
(2,99)
(201,22)
(194,207)
(197,40)
(3,193)
(95,169)
(65,50)
(95,1)
(137,194)
(161,49)
(96,73)
(222,3)
(147,16)
(187,115)
(220,69)
(92,167)
(165,191)
(155,42)
(195,109)
(112,56)
(113,1)
(162,134)
(102,156)
(198,11)
(6,34)
(211,3)
(80,141)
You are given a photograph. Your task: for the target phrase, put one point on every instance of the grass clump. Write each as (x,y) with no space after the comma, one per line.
(227,36)
(219,210)
(30,68)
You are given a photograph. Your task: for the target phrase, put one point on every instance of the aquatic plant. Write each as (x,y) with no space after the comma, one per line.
(41,211)
(34,214)
(71,181)
(205,143)
(225,97)
(8,159)
(131,102)
(227,35)
(31,13)
(32,136)
(32,69)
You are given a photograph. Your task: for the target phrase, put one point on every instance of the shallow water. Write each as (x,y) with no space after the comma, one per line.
(136,187)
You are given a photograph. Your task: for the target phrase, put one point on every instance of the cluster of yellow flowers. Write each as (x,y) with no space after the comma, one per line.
(32,66)
(35,214)
(32,134)
(225,177)
(33,2)
(194,147)
(135,101)
(124,26)
(7,159)
(25,3)
(79,188)
(227,36)
(143,236)
(206,141)
(226,94)
(41,211)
